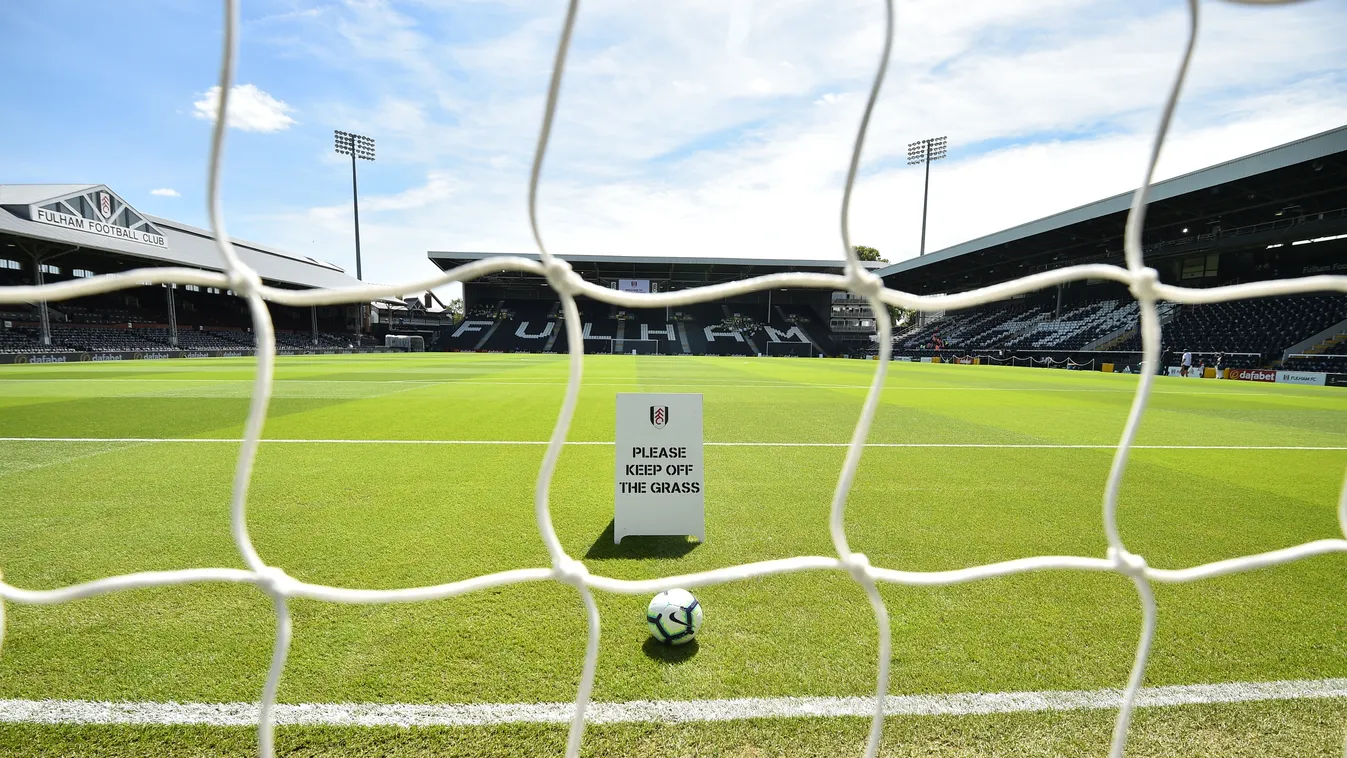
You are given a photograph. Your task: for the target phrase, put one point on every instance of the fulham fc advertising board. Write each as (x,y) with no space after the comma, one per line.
(660,487)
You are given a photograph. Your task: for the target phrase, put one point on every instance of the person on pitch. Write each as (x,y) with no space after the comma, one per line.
(1186,364)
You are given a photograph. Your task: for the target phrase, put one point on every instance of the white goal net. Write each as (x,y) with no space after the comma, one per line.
(281,588)
(636,347)
(794,349)
(412,343)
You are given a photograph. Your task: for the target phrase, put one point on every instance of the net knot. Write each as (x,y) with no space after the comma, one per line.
(1143,284)
(863,283)
(274,581)
(245,282)
(558,273)
(570,571)
(1127,563)
(858,565)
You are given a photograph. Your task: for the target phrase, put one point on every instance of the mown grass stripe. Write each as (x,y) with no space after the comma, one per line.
(990,445)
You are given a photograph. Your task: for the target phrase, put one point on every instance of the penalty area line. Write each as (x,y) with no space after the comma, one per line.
(653,711)
(541,443)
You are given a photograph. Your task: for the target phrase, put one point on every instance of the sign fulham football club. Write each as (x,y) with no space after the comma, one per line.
(94,226)
(659,487)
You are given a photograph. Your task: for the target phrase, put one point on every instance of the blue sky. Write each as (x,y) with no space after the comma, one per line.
(702,127)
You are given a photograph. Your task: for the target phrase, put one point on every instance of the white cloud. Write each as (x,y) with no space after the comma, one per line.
(165,192)
(693,129)
(250,109)
(438,187)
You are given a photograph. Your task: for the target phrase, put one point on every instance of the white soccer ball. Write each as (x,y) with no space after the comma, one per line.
(674,616)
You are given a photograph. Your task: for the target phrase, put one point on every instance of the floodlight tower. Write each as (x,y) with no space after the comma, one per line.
(925,151)
(362,147)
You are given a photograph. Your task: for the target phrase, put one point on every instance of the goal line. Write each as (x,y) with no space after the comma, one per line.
(84,712)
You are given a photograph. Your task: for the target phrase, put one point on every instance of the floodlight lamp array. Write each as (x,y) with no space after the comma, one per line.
(349,143)
(925,150)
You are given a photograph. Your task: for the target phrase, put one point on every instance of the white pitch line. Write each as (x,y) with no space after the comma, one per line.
(1232,392)
(540,443)
(656,711)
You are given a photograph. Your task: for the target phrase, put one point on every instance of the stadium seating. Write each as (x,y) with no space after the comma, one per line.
(976,328)
(803,318)
(1265,326)
(78,314)
(14,341)
(653,329)
(1248,333)
(1331,359)
(95,339)
(24,339)
(290,339)
(702,329)
(725,330)
(189,339)
(17,313)
(1331,364)
(529,326)
(1078,327)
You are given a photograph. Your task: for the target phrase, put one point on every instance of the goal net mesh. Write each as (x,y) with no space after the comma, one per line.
(1143,282)
(638,346)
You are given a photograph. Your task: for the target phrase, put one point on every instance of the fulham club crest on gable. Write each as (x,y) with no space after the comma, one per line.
(105,204)
(659,416)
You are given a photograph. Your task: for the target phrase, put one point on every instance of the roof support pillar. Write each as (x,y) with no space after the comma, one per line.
(172,316)
(313,319)
(43,317)
(1057,314)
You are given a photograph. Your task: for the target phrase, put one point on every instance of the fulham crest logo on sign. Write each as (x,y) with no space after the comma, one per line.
(659,416)
(105,204)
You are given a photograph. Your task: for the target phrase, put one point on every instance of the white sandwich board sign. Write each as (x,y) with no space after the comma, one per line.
(659,487)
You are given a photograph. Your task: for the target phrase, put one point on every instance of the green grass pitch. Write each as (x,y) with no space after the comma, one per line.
(386,515)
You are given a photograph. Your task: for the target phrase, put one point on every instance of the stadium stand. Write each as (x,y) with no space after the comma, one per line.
(1248,333)
(207,340)
(705,329)
(976,328)
(647,330)
(110,339)
(16,313)
(1080,326)
(1027,326)
(82,314)
(791,321)
(796,320)
(1264,326)
(1276,214)
(1329,356)
(727,331)
(22,341)
(184,319)
(1332,364)
(527,326)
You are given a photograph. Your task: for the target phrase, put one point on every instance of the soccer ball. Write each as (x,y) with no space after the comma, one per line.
(674,616)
